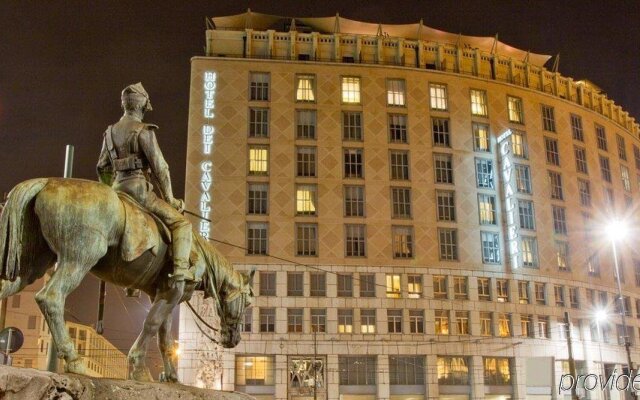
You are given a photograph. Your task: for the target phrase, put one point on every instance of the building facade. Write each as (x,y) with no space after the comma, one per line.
(437,208)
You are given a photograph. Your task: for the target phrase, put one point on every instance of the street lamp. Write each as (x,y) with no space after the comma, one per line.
(600,316)
(616,230)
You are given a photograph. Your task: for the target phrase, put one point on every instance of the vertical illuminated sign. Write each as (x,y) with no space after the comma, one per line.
(206,166)
(509,201)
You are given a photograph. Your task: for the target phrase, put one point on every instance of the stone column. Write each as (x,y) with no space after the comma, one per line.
(476,367)
(281,376)
(519,378)
(431,378)
(382,377)
(333,377)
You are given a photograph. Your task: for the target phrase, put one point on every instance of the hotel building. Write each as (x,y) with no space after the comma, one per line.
(436,203)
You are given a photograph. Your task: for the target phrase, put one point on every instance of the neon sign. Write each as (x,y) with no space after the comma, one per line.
(510,204)
(208,132)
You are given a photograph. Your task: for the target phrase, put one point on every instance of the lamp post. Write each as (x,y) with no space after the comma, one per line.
(600,316)
(616,230)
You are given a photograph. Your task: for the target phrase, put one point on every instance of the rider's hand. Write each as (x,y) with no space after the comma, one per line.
(178,204)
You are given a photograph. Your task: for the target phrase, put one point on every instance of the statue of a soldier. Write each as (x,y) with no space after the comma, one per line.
(130,157)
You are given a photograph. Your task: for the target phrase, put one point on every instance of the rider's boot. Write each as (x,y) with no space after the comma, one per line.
(181,248)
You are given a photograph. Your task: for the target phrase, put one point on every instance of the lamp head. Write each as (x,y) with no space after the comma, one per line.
(616,230)
(601,315)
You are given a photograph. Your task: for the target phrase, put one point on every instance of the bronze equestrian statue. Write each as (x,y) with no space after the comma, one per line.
(82,226)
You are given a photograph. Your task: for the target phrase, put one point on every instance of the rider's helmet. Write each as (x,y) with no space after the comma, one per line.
(134,97)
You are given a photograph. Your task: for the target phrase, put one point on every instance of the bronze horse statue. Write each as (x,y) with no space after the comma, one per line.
(84,226)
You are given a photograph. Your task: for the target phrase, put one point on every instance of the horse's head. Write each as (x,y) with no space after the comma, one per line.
(232,303)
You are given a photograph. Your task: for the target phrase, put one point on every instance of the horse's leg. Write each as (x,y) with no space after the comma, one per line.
(167,349)
(52,297)
(161,308)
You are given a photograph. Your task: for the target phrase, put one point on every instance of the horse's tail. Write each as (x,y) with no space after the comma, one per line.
(20,236)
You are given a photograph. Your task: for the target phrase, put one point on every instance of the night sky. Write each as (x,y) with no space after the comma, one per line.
(63,65)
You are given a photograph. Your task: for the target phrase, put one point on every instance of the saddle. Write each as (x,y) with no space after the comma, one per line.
(141,230)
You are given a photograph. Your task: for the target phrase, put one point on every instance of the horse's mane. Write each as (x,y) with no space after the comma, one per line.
(219,270)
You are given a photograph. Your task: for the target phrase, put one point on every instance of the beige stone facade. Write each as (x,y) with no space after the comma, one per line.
(565,259)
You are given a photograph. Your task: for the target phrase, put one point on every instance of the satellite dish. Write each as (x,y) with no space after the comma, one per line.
(11,340)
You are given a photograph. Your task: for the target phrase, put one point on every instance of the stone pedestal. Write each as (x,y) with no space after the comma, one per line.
(31,384)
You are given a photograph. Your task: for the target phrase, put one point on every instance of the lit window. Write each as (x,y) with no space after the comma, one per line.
(497,371)
(414,286)
(523,292)
(351,89)
(523,179)
(502,288)
(393,286)
(484,289)
(487,209)
(516,112)
(402,241)
(345,321)
(306,199)
(258,160)
(460,291)
(442,322)
(462,322)
(453,371)
(626,180)
(479,103)
(396,92)
(486,326)
(368,321)
(481,141)
(529,251)
(526,325)
(548,119)
(255,371)
(519,144)
(305,88)
(438,94)
(439,287)
(504,325)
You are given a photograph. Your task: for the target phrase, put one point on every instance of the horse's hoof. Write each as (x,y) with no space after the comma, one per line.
(172,378)
(141,375)
(75,367)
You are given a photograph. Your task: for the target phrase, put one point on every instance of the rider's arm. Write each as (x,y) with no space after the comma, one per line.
(104,169)
(159,166)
